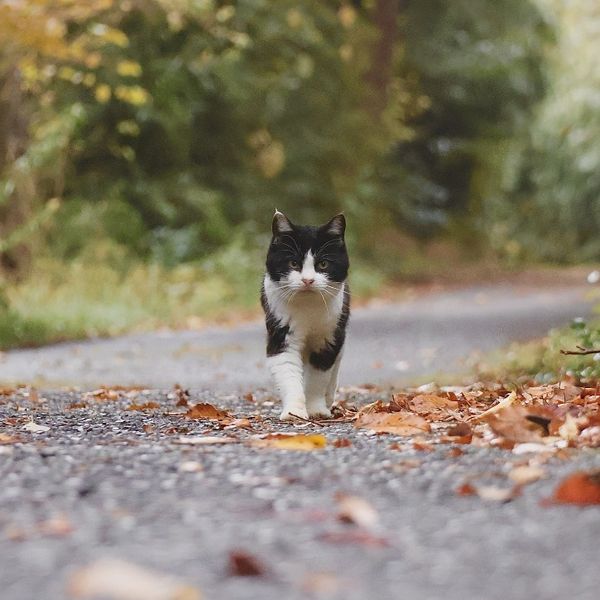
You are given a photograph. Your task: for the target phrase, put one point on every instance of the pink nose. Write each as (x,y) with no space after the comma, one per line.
(307,282)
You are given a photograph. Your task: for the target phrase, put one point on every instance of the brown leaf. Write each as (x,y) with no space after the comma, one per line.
(239,424)
(145,406)
(75,405)
(581,488)
(119,580)
(206,411)
(6,438)
(399,423)
(460,430)
(244,565)
(466,489)
(520,423)
(431,404)
(342,443)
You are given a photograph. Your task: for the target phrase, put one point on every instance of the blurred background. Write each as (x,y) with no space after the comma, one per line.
(145,144)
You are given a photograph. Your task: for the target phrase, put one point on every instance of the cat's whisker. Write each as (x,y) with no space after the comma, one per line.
(324,302)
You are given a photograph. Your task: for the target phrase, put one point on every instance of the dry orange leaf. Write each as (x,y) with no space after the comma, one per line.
(581,488)
(430,403)
(284,441)
(206,411)
(400,423)
(145,406)
(518,423)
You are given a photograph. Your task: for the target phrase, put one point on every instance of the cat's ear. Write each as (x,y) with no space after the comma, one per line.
(337,225)
(281,224)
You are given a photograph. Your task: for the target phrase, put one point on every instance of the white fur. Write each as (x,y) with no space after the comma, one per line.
(312,313)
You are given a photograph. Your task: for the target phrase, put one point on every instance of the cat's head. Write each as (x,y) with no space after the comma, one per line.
(304,258)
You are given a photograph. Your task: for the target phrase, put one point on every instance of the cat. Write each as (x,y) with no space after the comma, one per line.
(306,301)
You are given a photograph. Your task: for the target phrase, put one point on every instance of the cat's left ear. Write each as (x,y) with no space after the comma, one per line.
(337,225)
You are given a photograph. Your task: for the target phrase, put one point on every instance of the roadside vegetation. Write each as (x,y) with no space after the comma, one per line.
(144,146)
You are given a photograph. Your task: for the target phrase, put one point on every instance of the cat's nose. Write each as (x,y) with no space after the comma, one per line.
(307,282)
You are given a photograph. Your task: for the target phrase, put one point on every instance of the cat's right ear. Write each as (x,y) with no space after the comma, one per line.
(281,224)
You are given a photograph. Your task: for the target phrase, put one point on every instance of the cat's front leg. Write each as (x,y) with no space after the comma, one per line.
(286,371)
(332,385)
(315,387)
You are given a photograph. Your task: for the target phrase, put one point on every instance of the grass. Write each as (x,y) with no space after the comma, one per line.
(105,293)
(542,360)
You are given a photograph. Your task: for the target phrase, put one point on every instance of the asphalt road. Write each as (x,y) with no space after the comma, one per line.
(101,481)
(389,343)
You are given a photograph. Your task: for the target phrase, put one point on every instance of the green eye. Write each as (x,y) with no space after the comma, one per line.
(322,264)
(294,264)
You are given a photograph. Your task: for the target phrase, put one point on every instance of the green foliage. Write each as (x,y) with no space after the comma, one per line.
(548,202)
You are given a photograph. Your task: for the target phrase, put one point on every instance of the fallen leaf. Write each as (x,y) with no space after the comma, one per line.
(181,396)
(399,423)
(356,510)
(422,446)
(245,565)
(6,438)
(503,404)
(497,494)
(342,443)
(520,423)
(207,411)
(239,424)
(466,489)
(431,403)
(104,394)
(526,474)
(58,526)
(204,440)
(33,427)
(581,488)
(454,453)
(191,466)
(113,579)
(75,405)
(145,406)
(285,441)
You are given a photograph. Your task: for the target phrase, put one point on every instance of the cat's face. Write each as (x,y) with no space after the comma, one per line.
(302,258)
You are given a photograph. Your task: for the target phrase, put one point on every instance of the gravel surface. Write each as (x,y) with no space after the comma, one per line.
(104,481)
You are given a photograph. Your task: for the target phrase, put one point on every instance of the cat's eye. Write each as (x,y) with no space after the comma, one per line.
(294,264)
(322,264)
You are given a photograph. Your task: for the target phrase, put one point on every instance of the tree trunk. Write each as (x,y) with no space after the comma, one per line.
(379,76)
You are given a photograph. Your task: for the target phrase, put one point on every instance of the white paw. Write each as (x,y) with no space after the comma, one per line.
(318,409)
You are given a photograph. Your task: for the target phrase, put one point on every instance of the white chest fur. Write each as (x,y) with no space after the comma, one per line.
(311,316)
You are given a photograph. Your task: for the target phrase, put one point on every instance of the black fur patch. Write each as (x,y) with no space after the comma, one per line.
(325,242)
(324,358)
(276,333)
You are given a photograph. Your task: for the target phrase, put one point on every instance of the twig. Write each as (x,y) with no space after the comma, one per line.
(581,351)
(306,420)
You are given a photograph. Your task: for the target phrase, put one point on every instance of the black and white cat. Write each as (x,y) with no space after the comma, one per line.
(307,305)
